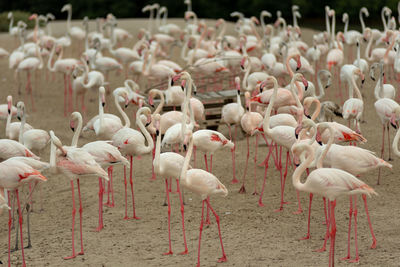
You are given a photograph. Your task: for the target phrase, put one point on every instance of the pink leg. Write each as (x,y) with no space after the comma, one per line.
(183,217)
(260,203)
(133,198)
(112,186)
(208,221)
(80,216)
(233,150)
(309,219)
(108,204)
(327,230)
(349,231)
(283,182)
(333,235)
(357,257)
(243,189)
(98,229)
(153,175)
(126,193)
(9,230)
(223,258)
(369,222)
(169,219)
(201,229)
(73,222)
(30,91)
(205,160)
(255,166)
(326,217)
(382,152)
(20,228)
(389,143)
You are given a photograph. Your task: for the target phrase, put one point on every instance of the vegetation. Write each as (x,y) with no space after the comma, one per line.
(312,10)
(18,15)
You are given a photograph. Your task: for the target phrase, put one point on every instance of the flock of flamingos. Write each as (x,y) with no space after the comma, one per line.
(283,80)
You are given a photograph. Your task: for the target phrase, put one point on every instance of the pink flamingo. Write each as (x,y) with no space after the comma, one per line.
(13,129)
(169,165)
(354,107)
(65,66)
(231,114)
(74,163)
(328,182)
(104,154)
(8,108)
(131,143)
(202,183)
(14,174)
(250,122)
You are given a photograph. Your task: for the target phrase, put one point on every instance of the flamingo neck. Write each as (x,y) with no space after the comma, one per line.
(317,109)
(320,161)
(303,166)
(162,102)
(123,114)
(266,127)
(150,143)
(156,162)
(320,87)
(183,176)
(78,130)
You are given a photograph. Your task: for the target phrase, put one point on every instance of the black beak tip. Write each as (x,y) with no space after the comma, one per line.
(152,105)
(183,88)
(73,129)
(305,88)
(297,68)
(394,125)
(296,135)
(363,81)
(126,105)
(157,132)
(172,82)
(195,93)
(9,111)
(19,118)
(297,165)
(147,124)
(308,116)
(373,79)
(320,143)
(103,104)
(184,147)
(365,40)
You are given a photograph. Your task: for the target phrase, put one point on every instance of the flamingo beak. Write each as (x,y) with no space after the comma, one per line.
(151,102)
(298,64)
(9,107)
(72,126)
(296,161)
(318,139)
(242,63)
(148,120)
(306,113)
(126,101)
(393,122)
(305,82)
(183,84)
(297,131)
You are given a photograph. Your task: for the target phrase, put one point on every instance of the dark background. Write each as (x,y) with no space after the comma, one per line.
(312,10)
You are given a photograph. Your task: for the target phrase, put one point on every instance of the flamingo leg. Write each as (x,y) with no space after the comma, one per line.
(223,258)
(20,228)
(233,150)
(243,189)
(309,219)
(153,175)
(183,217)
(73,222)
(169,219)
(349,231)
(126,194)
(364,197)
(108,204)
(270,152)
(382,152)
(201,230)
(28,213)
(112,186)
(355,211)
(325,213)
(255,166)
(133,198)
(205,160)
(100,206)
(283,183)
(327,230)
(70,103)
(9,229)
(80,216)
(389,144)
(333,235)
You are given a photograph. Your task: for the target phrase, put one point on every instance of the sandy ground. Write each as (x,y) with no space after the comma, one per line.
(252,236)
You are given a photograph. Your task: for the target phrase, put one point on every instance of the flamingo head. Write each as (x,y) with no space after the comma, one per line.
(247,97)
(33,16)
(74,117)
(21,109)
(102,92)
(219,22)
(277,22)
(394,119)
(298,61)
(243,62)
(157,118)
(237,83)
(9,104)
(187,136)
(255,20)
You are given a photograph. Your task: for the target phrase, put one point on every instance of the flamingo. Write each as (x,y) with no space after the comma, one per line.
(29,65)
(65,66)
(169,165)
(74,163)
(231,114)
(382,90)
(354,107)
(12,129)
(104,154)
(131,143)
(249,122)
(205,184)
(250,81)
(328,182)
(76,32)
(350,37)
(13,175)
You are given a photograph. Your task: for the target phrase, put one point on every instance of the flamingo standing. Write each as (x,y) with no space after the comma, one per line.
(131,143)
(74,163)
(354,107)
(328,182)
(14,174)
(231,114)
(205,184)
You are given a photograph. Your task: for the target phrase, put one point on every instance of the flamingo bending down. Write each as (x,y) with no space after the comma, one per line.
(231,114)
(328,182)
(74,163)
(202,183)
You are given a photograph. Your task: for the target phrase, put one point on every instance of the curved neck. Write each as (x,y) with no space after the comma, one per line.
(333,32)
(266,128)
(303,166)
(162,102)
(358,54)
(246,74)
(362,21)
(51,68)
(123,114)
(383,20)
(69,19)
(327,23)
(11,24)
(368,50)
(21,128)
(317,109)
(8,123)
(53,150)
(77,132)
(389,48)
(185,166)
(295,96)
(358,93)
(339,43)
(150,143)
(223,30)
(346,25)
(379,85)
(326,149)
